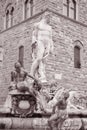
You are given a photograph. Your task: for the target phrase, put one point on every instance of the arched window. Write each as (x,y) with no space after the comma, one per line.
(77,60)
(66,7)
(7,19)
(28,8)
(21,55)
(12,16)
(9,15)
(73,9)
(69,8)
(31,7)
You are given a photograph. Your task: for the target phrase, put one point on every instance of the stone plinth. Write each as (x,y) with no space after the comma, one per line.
(23,123)
(41,123)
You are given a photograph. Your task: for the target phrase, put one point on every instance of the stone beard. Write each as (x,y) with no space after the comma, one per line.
(42,46)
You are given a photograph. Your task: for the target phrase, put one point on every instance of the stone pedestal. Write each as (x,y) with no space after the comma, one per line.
(24,104)
(41,123)
(23,123)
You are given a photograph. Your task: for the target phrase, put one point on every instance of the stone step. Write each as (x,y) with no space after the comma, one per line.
(23,123)
(40,123)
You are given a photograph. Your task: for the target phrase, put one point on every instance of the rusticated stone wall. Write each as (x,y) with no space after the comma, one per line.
(65,33)
(39,6)
(57,5)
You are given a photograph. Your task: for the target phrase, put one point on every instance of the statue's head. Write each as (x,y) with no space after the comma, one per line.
(46,17)
(37,85)
(66,94)
(62,94)
(17,66)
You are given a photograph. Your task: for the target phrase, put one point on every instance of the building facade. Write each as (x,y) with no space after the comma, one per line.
(68,19)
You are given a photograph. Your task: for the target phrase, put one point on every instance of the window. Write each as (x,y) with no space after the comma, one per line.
(12,16)
(31,7)
(21,54)
(66,7)
(77,62)
(9,16)
(69,8)
(73,9)
(28,8)
(7,19)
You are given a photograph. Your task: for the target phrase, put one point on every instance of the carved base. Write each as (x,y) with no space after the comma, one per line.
(23,105)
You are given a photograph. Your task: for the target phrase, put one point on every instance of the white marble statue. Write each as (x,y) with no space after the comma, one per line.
(42,45)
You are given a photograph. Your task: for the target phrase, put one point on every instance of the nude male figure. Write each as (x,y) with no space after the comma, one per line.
(19,83)
(43,45)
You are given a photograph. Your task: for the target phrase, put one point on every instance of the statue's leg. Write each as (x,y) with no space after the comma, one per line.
(42,72)
(37,61)
(62,117)
(52,121)
(41,100)
(34,67)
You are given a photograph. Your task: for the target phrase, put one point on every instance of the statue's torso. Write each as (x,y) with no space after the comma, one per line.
(18,77)
(62,104)
(44,32)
